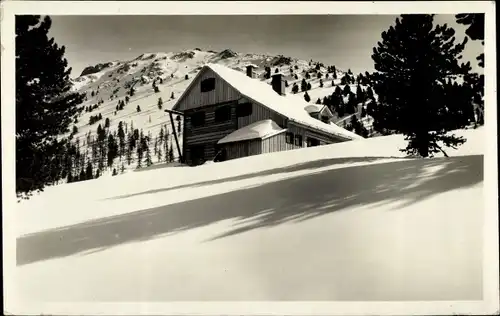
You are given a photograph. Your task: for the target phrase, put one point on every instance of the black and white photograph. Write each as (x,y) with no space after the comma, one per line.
(234,158)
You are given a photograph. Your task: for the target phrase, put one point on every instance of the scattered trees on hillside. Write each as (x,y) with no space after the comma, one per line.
(95,118)
(415,62)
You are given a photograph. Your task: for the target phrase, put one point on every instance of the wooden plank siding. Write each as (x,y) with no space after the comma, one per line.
(323,138)
(276,143)
(259,113)
(243,149)
(194,98)
(209,133)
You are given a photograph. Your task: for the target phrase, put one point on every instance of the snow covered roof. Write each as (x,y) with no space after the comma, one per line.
(251,65)
(313,108)
(258,130)
(292,108)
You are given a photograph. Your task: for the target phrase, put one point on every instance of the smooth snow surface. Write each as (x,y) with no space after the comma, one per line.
(291,107)
(352,221)
(261,129)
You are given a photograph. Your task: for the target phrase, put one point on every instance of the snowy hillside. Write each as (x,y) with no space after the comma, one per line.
(107,85)
(353,220)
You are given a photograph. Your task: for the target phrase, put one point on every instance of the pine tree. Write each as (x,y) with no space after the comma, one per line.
(413,62)
(369,93)
(318,101)
(114,172)
(295,88)
(171,157)
(106,124)
(321,83)
(186,77)
(307,97)
(129,149)
(121,139)
(122,169)
(347,89)
(112,150)
(160,103)
(45,105)
(89,172)
(475,29)
(138,108)
(149,160)
(172,96)
(360,95)
(309,87)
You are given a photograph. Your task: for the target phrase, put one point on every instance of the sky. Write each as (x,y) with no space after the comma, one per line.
(345,41)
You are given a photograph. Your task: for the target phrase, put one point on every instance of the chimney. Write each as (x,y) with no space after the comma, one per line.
(278,83)
(250,72)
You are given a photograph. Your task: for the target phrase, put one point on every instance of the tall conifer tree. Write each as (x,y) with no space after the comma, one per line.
(414,62)
(45,104)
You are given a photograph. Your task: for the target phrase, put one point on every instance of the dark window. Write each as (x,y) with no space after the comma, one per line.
(244,109)
(289,138)
(223,114)
(207,85)
(325,119)
(311,142)
(197,154)
(197,119)
(298,140)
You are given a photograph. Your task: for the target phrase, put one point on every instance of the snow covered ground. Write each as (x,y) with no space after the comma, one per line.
(354,221)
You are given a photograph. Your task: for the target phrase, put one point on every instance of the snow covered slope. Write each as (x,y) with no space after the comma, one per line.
(348,221)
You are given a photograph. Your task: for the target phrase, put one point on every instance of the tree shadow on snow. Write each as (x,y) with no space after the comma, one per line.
(295,199)
(298,167)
